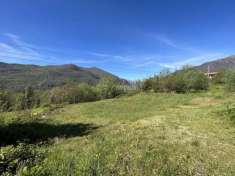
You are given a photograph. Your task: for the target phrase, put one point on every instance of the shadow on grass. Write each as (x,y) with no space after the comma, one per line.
(35,132)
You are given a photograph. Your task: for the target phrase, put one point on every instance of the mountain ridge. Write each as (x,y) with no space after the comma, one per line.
(218,65)
(18,76)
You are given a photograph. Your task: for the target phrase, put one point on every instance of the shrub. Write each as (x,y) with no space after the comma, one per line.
(147,84)
(27,100)
(73,94)
(179,84)
(219,78)
(20,102)
(29,97)
(185,80)
(137,85)
(157,84)
(82,93)
(109,88)
(195,80)
(59,95)
(230,80)
(14,159)
(5,102)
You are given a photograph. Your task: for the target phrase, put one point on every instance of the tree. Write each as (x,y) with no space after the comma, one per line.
(179,85)
(5,101)
(27,99)
(73,94)
(195,80)
(164,82)
(20,102)
(82,93)
(59,95)
(185,80)
(147,84)
(109,88)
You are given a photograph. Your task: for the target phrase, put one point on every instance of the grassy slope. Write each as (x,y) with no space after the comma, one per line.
(146,134)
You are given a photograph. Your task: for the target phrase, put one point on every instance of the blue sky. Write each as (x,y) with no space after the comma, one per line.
(130,38)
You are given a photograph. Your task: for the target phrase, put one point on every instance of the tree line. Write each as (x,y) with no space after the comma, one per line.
(188,80)
(29,98)
(182,81)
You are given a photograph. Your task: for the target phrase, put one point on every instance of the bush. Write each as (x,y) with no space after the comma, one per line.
(82,93)
(219,78)
(147,84)
(27,100)
(5,102)
(137,85)
(164,83)
(185,80)
(230,80)
(195,80)
(73,94)
(109,88)
(15,159)
(59,95)
(20,102)
(179,83)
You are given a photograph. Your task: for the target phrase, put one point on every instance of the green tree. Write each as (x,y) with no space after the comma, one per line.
(195,80)
(20,102)
(109,88)
(179,85)
(29,97)
(73,94)
(82,93)
(148,84)
(59,95)
(185,80)
(5,101)
(164,82)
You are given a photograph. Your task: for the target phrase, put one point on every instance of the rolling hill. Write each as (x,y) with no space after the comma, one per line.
(17,76)
(218,65)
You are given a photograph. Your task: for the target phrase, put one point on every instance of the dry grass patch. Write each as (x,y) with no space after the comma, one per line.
(205,101)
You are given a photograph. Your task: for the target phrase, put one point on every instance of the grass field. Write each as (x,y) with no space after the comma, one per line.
(145,134)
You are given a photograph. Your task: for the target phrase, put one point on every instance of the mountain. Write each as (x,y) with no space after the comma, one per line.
(18,76)
(218,65)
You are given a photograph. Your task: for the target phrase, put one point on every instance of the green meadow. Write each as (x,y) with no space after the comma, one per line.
(142,134)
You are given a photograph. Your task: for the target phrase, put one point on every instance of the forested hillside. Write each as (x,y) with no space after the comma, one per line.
(18,76)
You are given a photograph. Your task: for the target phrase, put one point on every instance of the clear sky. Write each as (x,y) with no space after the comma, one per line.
(130,38)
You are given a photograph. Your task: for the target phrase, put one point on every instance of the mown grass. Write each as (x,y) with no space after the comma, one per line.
(144,134)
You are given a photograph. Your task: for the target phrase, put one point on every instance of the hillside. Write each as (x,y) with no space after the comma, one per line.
(218,65)
(17,76)
(142,135)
